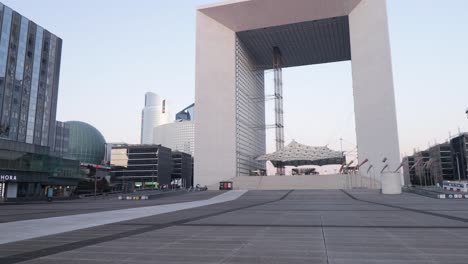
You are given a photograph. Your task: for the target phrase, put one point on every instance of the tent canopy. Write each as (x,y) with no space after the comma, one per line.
(296,154)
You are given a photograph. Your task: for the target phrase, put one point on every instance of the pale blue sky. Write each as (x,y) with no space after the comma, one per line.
(116,50)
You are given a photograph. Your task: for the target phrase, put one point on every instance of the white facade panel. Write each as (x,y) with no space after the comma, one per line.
(374,98)
(176,136)
(215,99)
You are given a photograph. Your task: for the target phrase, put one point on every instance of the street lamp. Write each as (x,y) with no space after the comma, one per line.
(466,112)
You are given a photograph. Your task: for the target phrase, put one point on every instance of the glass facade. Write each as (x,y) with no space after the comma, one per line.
(4,43)
(29,75)
(460,156)
(250,115)
(18,80)
(86,143)
(62,138)
(10,75)
(29,67)
(34,168)
(34,86)
(187,114)
(49,90)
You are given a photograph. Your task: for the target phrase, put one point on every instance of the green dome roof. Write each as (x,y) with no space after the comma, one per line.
(86,143)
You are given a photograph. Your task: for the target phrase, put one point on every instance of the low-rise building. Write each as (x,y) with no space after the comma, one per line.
(447,161)
(441,164)
(182,173)
(131,164)
(460,156)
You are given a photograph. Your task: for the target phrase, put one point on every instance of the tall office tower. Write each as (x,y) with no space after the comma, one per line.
(187,114)
(29,77)
(33,144)
(155,113)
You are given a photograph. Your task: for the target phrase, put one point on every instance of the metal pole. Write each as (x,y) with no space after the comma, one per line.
(95,186)
(123,183)
(152,178)
(360,176)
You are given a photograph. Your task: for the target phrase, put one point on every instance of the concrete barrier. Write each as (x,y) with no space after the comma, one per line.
(302,182)
(391,183)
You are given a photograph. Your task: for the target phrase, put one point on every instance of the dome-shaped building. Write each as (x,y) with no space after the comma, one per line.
(86,143)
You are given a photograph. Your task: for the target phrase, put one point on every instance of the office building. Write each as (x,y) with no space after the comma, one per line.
(142,164)
(441,164)
(87,144)
(155,113)
(29,77)
(108,151)
(179,136)
(182,173)
(187,114)
(436,164)
(460,156)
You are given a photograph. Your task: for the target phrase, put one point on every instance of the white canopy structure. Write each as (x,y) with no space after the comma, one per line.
(296,154)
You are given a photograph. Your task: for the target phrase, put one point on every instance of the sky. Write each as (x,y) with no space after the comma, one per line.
(115,51)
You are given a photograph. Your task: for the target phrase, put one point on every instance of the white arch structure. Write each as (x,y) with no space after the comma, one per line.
(234,47)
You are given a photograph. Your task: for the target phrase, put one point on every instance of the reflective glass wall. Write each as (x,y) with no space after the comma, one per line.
(29,75)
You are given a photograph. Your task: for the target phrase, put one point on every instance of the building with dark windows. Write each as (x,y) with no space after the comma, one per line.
(87,144)
(33,145)
(141,165)
(442,162)
(182,174)
(441,165)
(187,114)
(29,77)
(460,156)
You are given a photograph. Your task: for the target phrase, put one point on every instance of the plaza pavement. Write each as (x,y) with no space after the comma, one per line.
(290,226)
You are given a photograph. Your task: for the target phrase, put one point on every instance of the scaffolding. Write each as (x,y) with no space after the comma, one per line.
(279,123)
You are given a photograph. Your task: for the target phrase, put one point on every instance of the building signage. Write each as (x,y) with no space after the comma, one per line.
(7,178)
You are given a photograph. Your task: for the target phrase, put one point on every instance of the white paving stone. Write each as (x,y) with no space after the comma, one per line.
(22,230)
